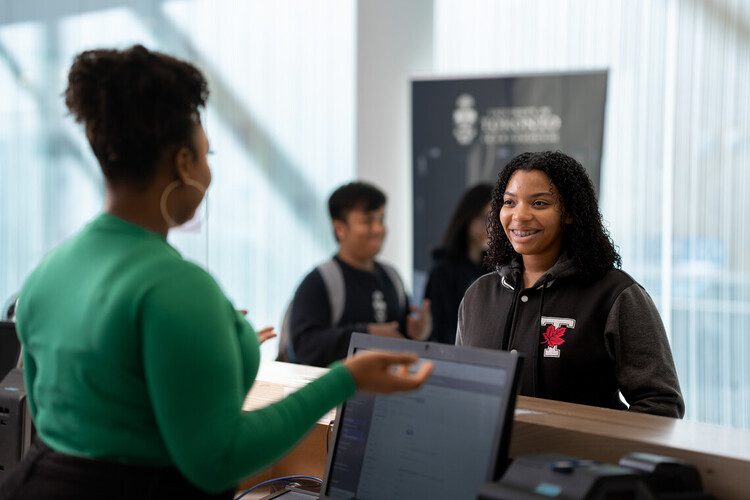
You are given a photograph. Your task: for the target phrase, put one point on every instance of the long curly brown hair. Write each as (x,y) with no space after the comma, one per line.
(585,239)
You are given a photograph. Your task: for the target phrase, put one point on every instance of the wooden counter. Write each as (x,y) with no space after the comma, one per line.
(721,454)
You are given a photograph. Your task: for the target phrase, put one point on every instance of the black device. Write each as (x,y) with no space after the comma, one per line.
(442,441)
(16,429)
(10,348)
(667,477)
(639,476)
(550,475)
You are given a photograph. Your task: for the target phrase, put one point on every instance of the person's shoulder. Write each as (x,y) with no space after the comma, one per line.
(161,259)
(181,274)
(442,273)
(319,267)
(444,265)
(390,271)
(485,283)
(313,280)
(379,264)
(615,284)
(616,277)
(628,284)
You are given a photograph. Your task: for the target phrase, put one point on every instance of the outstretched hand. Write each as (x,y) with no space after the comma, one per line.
(419,323)
(386,372)
(384,329)
(265,334)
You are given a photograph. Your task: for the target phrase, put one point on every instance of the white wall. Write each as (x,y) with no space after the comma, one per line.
(394,41)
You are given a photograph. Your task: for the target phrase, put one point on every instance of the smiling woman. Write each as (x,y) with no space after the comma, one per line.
(588,330)
(533,219)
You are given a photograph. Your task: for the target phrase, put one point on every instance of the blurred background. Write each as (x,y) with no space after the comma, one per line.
(308,95)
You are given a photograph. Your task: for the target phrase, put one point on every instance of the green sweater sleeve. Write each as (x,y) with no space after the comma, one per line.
(199,360)
(29,374)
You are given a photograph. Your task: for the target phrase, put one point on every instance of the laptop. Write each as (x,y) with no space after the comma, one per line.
(442,441)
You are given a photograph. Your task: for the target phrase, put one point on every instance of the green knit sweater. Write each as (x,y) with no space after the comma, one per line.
(135,355)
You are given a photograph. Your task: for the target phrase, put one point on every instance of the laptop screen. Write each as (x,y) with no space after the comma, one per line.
(444,440)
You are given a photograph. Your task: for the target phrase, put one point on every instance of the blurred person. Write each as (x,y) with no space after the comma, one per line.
(352,292)
(136,364)
(458,260)
(588,331)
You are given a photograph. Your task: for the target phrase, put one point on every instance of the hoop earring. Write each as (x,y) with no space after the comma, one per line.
(168,190)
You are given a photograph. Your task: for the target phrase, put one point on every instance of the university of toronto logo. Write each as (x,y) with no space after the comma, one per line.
(553,336)
(464,120)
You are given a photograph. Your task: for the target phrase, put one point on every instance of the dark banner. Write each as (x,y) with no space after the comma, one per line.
(465,130)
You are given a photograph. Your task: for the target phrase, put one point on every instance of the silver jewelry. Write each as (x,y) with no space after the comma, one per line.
(168,190)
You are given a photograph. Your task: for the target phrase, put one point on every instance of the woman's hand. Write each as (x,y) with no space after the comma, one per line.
(386,372)
(265,334)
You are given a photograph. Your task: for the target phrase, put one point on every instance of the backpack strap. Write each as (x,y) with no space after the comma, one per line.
(333,278)
(393,275)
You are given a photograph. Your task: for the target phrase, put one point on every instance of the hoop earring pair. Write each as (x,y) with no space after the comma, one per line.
(168,190)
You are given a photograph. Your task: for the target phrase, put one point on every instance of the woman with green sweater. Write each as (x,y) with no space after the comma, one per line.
(136,364)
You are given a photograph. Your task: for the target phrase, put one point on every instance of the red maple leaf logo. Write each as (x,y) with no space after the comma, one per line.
(553,336)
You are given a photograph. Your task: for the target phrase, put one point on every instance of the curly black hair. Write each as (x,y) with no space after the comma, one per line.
(135,104)
(585,239)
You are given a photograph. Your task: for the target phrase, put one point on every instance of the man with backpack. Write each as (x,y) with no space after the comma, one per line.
(352,292)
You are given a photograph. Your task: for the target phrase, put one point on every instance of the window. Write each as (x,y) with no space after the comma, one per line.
(280,120)
(676,151)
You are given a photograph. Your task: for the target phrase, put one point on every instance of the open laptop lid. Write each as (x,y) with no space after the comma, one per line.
(444,440)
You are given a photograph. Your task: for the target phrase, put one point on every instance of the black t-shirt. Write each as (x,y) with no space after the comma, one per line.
(370,298)
(448,281)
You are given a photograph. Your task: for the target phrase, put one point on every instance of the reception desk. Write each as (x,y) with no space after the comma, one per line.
(721,454)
